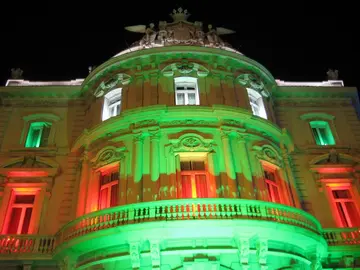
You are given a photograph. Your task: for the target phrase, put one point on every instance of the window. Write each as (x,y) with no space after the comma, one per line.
(112,104)
(193,179)
(256,103)
(20,214)
(38,134)
(109,185)
(345,206)
(272,186)
(186,91)
(322,133)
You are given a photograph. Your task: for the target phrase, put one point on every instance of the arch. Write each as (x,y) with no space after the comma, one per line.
(107,155)
(191,142)
(336,158)
(30,162)
(110,84)
(269,153)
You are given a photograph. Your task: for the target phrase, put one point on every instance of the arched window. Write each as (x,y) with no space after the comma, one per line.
(256,103)
(322,133)
(186,91)
(112,104)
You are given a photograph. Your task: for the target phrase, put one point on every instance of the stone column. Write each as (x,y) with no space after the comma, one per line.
(138,166)
(155,156)
(290,178)
(83,185)
(229,185)
(214,179)
(246,181)
(134,250)
(155,254)
(122,180)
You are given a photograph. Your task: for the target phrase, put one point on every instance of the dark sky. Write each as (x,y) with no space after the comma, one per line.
(296,41)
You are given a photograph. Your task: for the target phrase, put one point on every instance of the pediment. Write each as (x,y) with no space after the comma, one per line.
(30,162)
(333,158)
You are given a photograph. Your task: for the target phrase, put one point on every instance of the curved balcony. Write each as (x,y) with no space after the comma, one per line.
(190,218)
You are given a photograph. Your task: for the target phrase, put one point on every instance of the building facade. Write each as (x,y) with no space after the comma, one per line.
(179,153)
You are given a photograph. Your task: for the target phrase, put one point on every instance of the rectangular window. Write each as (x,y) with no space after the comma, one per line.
(193,179)
(256,103)
(186,91)
(20,214)
(322,133)
(38,134)
(346,208)
(272,186)
(112,104)
(109,190)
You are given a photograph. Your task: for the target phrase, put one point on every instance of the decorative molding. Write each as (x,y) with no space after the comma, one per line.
(134,250)
(269,153)
(107,155)
(42,116)
(192,143)
(188,122)
(244,252)
(185,68)
(319,115)
(262,252)
(114,81)
(155,254)
(146,123)
(252,81)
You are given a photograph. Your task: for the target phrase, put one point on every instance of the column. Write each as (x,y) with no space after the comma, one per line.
(229,183)
(246,181)
(83,185)
(290,177)
(138,166)
(155,156)
(122,181)
(4,207)
(214,179)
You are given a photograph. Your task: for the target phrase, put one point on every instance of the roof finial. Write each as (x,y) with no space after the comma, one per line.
(179,14)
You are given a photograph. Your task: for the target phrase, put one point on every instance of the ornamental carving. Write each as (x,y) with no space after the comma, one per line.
(179,32)
(192,143)
(146,123)
(115,80)
(188,122)
(185,68)
(107,156)
(268,153)
(254,82)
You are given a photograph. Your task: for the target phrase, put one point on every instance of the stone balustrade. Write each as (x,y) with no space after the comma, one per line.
(342,236)
(175,210)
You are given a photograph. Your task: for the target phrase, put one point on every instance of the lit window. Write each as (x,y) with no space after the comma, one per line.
(186,91)
(346,208)
(112,104)
(272,186)
(38,134)
(193,179)
(322,133)
(256,103)
(109,185)
(20,214)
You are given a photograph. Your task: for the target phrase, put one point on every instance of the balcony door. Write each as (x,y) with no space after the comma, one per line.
(194,179)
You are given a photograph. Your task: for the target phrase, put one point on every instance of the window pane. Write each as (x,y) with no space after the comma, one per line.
(186,186)
(342,215)
(191,99)
(201,187)
(45,136)
(185,165)
(26,223)
(198,165)
(341,194)
(14,220)
(276,196)
(114,195)
(316,136)
(269,175)
(103,198)
(353,214)
(180,99)
(24,199)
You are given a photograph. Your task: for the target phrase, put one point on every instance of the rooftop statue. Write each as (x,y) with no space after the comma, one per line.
(333,75)
(180,31)
(16,73)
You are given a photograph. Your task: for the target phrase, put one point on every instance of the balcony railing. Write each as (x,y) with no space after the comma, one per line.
(22,244)
(175,210)
(187,209)
(342,236)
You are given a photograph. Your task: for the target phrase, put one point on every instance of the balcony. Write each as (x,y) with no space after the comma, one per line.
(108,225)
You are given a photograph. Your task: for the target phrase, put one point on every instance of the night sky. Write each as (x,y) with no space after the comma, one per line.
(295,41)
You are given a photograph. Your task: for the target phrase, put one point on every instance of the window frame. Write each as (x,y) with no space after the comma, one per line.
(109,187)
(270,184)
(333,201)
(112,99)
(37,126)
(186,80)
(259,103)
(323,124)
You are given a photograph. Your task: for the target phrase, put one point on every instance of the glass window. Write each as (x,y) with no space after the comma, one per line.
(322,133)
(193,179)
(112,104)
(346,207)
(272,186)
(186,91)
(109,190)
(38,134)
(20,215)
(256,103)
